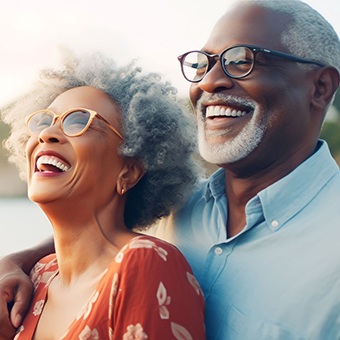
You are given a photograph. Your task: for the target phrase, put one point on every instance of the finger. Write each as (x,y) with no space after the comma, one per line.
(7,334)
(21,302)
(7,331)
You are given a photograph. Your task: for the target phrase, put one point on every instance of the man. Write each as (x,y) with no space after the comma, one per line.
(262,232)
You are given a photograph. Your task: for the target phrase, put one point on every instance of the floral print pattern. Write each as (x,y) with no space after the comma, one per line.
(38,307)
(163,300)
(89,334)
(135,332)
(147,292)
(88,308)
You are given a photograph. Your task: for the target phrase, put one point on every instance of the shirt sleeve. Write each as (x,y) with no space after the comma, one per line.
(157,296)
(43,270)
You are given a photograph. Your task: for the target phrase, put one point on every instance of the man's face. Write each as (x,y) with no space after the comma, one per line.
(259,118)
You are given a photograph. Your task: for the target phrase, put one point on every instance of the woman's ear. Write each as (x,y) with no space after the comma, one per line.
(326,83)
(129,176)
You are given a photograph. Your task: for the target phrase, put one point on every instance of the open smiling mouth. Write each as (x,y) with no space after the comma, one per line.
(222,111)
(50,164)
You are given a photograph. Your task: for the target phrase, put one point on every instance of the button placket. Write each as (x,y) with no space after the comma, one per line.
(275,224)
(218,251)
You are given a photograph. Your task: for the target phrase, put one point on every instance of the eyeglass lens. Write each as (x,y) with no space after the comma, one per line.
(74,122)
(195,66)
(236,62)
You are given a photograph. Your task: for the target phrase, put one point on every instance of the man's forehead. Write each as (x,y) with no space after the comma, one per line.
(248,24)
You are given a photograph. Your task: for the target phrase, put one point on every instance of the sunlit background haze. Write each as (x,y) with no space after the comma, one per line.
(154,32)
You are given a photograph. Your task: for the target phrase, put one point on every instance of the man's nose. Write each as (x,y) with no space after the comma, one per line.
(215,80)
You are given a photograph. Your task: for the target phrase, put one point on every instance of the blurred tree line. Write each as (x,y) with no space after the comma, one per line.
(331,131)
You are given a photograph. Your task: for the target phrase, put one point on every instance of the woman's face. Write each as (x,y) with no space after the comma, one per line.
(62,167)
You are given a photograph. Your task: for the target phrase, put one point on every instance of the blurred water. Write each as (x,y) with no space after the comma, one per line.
(22,224)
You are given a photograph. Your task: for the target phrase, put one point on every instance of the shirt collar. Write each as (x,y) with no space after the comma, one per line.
(288,196)
(285,198)
(215,185)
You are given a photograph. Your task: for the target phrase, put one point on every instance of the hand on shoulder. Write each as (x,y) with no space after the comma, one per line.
(15,291)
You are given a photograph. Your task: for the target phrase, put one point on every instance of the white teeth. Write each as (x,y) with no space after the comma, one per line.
(221,111)
(51,160)
(228,112)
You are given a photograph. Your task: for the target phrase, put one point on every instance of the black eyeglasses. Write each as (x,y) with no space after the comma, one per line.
(74,122)
(237,61)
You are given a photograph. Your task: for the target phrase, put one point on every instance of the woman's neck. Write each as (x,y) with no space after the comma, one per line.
(87,241)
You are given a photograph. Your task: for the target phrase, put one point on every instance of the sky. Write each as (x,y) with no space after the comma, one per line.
(154,32)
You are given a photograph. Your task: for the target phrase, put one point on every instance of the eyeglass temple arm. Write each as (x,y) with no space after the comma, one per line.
(110,126)
(291,57)
(116,132)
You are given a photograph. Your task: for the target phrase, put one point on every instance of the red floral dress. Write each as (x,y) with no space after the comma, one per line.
(147,292)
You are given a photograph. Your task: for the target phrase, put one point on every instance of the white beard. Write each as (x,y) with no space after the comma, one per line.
(234,149)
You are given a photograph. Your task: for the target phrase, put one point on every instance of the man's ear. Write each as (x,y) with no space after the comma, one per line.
(129,176)
(326,81)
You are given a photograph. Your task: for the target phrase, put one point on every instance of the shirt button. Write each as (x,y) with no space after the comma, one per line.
(218,251)
(275,224)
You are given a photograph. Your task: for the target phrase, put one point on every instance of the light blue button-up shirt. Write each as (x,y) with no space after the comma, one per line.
(279,278)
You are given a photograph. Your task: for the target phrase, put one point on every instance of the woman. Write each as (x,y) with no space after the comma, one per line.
(108,152)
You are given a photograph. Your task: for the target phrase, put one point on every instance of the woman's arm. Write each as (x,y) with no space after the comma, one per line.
(16,287)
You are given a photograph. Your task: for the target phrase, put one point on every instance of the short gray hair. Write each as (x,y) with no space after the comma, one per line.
(156,129)
(309,35)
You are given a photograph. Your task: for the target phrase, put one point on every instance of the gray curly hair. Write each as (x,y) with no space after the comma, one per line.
(309,34)
(155,128)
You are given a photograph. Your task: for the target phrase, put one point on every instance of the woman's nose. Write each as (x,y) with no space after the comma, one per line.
(51,134)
